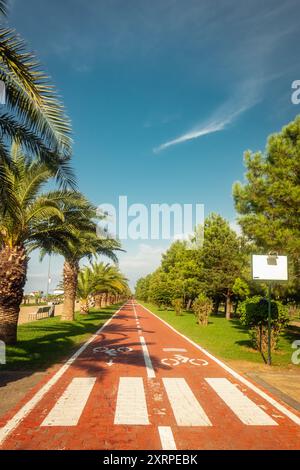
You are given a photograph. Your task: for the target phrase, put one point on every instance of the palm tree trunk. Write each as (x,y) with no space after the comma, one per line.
(84,307)
(216,306)
(228,305)
(13,269)
(98,300)
(70,275)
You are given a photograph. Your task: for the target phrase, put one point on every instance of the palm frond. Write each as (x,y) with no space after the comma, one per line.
(86,281)
(23,70)
(6,190)
(9,203)
(20,104)
(34,146)
(42,209)
(3,7)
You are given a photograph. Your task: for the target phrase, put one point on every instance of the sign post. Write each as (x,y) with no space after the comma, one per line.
(268,268)
(269,325)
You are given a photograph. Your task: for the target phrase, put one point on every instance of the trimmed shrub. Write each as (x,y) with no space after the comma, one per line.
(178,306)
(254,314)
(202,308)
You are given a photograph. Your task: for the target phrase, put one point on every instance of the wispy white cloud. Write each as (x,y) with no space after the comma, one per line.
(145,257)
(140,261)
(193,134)
(246,97)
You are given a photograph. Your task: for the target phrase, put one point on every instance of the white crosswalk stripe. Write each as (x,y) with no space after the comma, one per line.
(244,408)
(131,405)
(131,402)
(70,405)
(186,408)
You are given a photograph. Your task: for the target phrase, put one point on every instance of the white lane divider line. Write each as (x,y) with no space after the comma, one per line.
(147,359)
(244,408)
(175,349)
(185,406)
(131,406)
(70,405)
(14,422)
(166,438)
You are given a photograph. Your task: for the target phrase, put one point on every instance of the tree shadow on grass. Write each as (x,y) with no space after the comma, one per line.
(291,333)
(246,343)
(48,342)
(217,315)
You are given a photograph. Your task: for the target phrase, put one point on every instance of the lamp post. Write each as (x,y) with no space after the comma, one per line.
(48,277)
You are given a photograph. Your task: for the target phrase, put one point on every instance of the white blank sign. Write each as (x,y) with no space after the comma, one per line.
(263,271)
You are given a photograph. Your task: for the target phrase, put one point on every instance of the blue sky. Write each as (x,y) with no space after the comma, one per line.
(164,96)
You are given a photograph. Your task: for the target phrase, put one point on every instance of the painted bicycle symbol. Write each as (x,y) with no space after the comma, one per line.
(178,359)
(112,351)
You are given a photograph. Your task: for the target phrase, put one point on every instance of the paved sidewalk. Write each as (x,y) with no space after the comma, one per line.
(138,384)
(24,315)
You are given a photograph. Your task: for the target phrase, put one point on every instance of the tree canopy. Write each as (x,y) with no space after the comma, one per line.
(269,200)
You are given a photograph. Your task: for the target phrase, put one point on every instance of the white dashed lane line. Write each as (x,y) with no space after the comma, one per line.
(147,359)
(166,438)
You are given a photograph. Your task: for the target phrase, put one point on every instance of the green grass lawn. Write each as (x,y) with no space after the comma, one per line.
(46,342)
(227,339)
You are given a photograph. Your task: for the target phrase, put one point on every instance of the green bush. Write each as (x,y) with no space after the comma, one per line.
(294,311)
(178,306)
(254,314)
(202,308)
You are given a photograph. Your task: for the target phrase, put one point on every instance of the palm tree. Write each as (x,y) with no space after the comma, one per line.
(29,217)
(3,7)
(33,115)
(99,277)
(110,281)
(80,220)
(87,246)
(85,287)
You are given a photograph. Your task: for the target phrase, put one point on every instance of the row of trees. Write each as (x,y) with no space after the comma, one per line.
(268,204)
(218,269)
(102,284)
(35,149)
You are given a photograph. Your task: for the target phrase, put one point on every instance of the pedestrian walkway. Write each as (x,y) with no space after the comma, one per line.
(139,384)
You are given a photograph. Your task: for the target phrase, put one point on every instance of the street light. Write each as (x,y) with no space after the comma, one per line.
(48,277)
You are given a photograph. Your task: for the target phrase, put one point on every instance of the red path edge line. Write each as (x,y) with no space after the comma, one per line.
(24,411)
(45,385)
(280,407)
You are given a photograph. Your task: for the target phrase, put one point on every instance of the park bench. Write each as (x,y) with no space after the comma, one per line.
(42,312)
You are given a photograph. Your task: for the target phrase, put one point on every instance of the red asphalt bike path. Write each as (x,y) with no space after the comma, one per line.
(145,386)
